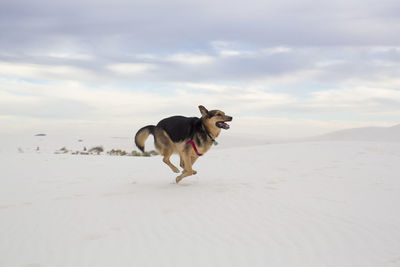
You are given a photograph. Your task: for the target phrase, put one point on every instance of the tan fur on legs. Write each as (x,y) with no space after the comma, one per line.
(165,147)
(168,162)
(184,174)
(193,159)
(187,171)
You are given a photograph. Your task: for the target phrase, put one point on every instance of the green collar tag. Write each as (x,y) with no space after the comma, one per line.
(215,143)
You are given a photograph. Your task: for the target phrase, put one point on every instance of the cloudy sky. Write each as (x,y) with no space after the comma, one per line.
(280,68)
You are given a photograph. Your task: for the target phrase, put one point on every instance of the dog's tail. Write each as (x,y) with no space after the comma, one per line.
(142,134)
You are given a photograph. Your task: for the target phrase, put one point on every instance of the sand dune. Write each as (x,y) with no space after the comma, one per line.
(298,204)
(378,134)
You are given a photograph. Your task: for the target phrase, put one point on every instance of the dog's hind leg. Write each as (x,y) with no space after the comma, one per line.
(164,145)
(194,158)
(166,160)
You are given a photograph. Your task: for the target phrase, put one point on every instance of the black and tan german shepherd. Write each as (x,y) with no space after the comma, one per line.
(188,137)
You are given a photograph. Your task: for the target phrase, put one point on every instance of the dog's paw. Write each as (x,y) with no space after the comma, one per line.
(178,179)
(194,172)
(176,170)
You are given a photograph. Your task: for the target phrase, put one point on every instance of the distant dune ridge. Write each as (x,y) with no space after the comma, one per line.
(378,134)
(50,143)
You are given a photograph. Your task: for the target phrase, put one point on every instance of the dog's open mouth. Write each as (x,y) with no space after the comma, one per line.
(222,124)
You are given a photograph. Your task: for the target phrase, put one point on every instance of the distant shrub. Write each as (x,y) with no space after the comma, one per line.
(117,152)
(99,149)
(96,149)
(153,153)
(62,150)
(134,153)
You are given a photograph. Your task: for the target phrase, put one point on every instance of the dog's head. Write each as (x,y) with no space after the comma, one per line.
(215,120)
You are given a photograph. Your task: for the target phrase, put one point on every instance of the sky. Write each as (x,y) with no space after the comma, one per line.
(280,68)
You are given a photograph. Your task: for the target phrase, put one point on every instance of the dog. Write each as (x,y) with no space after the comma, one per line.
(190,137)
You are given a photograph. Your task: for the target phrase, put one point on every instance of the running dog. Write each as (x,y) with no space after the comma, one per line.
(189,137)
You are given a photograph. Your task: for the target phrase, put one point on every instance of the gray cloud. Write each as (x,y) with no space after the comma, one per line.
(115,32)
(332,65)
(289,49)
(169,25)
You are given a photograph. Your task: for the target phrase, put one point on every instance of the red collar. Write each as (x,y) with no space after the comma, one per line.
(194,147)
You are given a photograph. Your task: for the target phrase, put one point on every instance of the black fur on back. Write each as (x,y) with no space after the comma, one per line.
(180,128)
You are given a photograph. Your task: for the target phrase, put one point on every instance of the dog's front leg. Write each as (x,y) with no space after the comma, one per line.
(187,171)
(193,159)
(184,174)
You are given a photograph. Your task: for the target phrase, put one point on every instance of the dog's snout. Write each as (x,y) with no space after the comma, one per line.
(229,118)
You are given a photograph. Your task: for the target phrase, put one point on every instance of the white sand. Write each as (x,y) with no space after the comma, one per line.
(300,204)
(375,134)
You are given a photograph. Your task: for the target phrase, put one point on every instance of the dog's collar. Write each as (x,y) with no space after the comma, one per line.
(194,147)
(209,135)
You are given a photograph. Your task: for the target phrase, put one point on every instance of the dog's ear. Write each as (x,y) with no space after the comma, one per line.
(203,111)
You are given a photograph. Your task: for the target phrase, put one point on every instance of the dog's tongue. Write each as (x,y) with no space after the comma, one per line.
(223,125)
